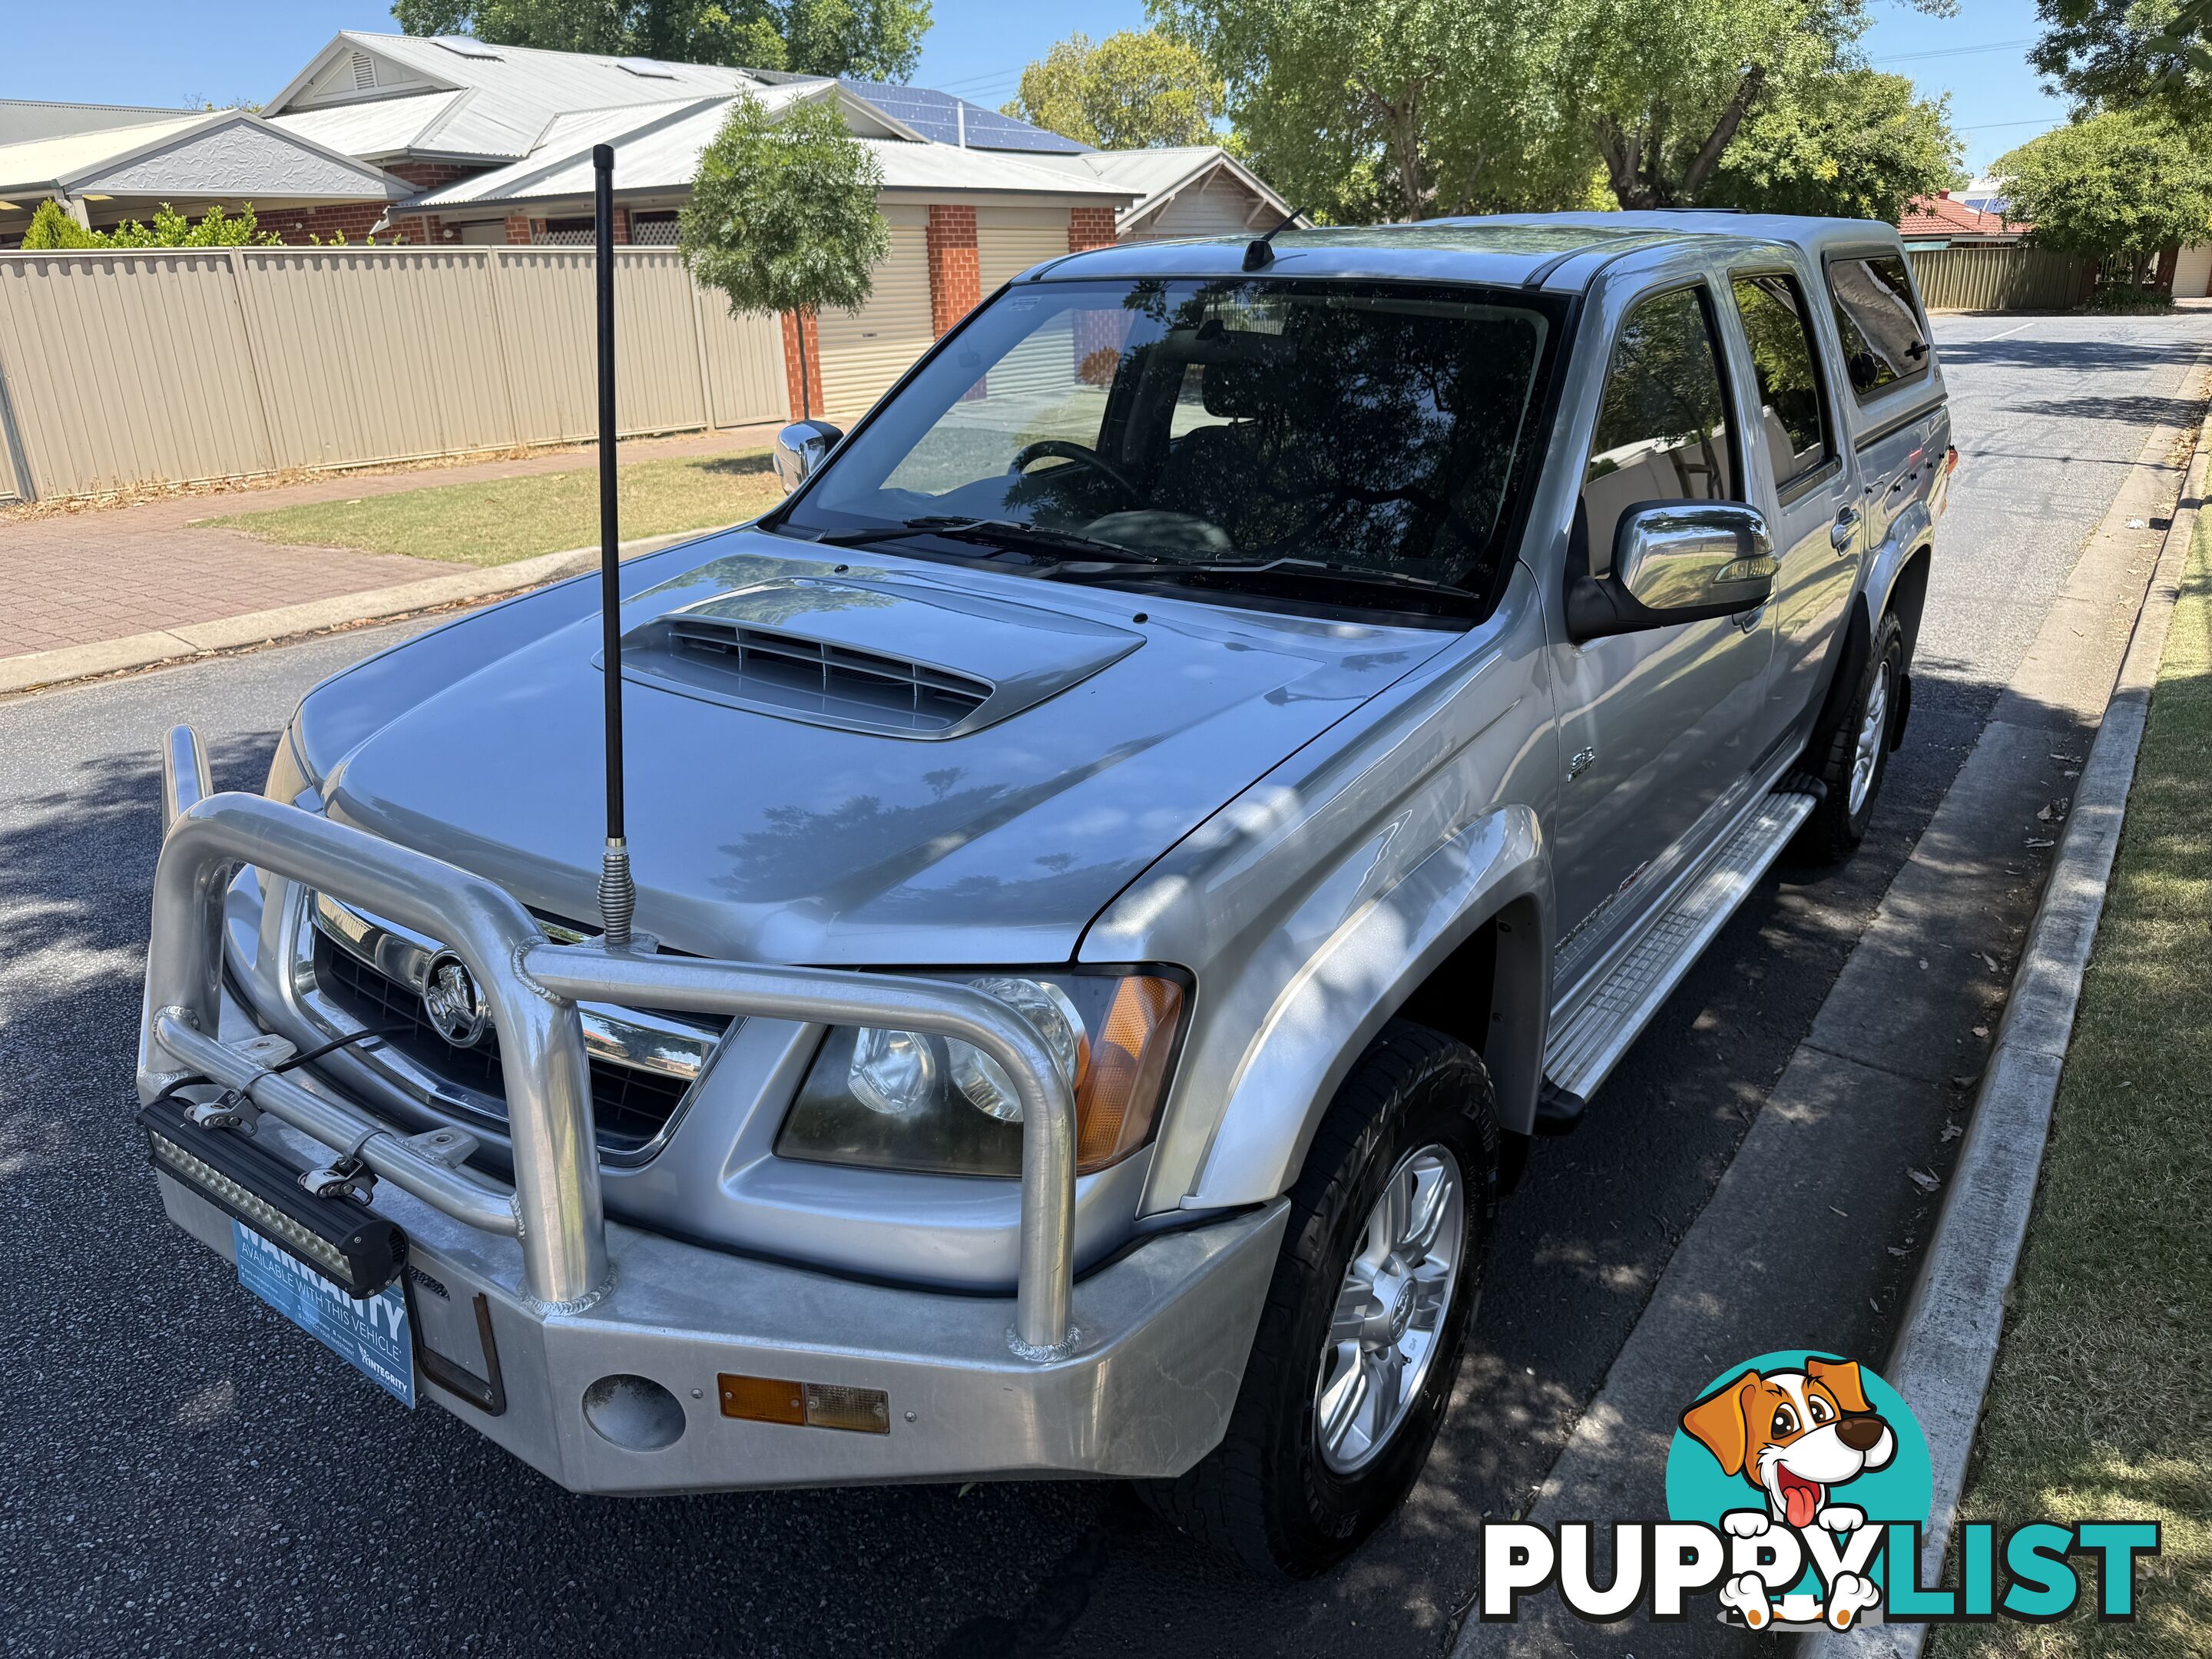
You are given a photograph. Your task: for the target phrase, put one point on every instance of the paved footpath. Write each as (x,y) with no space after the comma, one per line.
(82,577)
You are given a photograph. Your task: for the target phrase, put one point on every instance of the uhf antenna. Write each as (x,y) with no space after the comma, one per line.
(618,893)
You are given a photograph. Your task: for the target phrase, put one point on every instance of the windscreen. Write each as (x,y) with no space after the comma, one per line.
(1372,427)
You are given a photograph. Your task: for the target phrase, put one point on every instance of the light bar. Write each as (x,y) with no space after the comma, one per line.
(348,1243)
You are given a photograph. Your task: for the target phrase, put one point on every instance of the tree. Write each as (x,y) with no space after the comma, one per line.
(2124,184)
(871,39)
(1131,91)
(1405,109)
(1853,145)
(1666,85)
(783,215)
(52,227)
(2112,54)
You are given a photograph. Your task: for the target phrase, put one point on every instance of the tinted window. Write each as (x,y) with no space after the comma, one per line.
(1662,426)
(1789,390)
(1883,339)
(1387,429)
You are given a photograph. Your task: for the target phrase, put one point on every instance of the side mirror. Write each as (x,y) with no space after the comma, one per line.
(1675,561)
(799,449)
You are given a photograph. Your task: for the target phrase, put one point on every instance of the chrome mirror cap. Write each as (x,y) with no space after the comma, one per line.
(799,449)
(1673,563)
(1689,557)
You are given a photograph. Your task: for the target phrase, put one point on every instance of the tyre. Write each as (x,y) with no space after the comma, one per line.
(1858,757)
(1357,1347)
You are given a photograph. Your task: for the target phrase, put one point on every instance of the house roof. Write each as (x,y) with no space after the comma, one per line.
(1155,177)
(1941,216)
(228,153)
(946,120)
(22,119)
(453,97)
(657,152)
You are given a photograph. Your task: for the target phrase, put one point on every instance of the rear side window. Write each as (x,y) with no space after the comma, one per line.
(1791,397)
(1884,339)
(1663,426)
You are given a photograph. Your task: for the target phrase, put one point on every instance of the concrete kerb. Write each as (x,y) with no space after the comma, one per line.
(37,671)
(1947,1349)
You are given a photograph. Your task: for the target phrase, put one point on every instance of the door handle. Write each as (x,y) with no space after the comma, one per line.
(1845,527)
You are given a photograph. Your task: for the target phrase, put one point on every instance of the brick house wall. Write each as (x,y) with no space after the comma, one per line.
(956,269)
(1090,227)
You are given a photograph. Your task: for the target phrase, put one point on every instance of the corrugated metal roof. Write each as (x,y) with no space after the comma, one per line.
(655,153)
(22,119)
(1148,174)
(511,93)
(377,127)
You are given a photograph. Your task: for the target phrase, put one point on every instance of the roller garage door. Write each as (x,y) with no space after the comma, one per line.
(864,351)
(1009,240)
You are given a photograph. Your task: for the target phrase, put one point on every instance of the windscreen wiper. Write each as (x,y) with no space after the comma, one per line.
(1169,570)
(991,531)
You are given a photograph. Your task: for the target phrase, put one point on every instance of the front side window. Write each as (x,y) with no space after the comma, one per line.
(1791,393)
(1884,339)
(1384,431)
(1663,431)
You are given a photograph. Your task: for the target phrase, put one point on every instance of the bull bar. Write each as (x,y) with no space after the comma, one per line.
(531,987)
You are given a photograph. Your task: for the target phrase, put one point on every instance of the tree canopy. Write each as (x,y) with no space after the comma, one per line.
(1134,90)
(1852,144)
(2125,184)
(1405,109)
(872,39)
(1411,108)
(2110,54)
(782,217)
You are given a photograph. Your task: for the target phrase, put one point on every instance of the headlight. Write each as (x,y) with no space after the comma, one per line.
(900,1100)
(287,775)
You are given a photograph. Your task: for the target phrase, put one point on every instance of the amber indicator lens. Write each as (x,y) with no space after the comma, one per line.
(814,1405)
(762,1399)
(1115,1102)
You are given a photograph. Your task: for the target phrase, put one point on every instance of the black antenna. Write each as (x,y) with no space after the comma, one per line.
(618,893)
(1259,254)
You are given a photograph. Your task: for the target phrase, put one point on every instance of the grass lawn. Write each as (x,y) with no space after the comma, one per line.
(2102,1403)
(504,519)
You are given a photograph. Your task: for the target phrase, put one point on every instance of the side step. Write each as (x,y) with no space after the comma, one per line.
(1585,1047)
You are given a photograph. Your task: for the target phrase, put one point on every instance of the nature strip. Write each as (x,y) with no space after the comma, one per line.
(1947,1349)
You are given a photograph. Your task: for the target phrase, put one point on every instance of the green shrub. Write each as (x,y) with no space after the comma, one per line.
(52,227)
(2129,297)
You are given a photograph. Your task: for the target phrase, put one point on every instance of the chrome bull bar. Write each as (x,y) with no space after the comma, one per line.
(531,987)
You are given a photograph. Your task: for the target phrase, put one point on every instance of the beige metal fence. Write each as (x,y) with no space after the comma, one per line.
(122,368)
(2015,278)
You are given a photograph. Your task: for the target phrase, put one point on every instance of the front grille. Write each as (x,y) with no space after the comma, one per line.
(831,682)
(629,1107)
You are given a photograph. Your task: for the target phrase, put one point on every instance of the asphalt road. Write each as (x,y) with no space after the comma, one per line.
(181,1470)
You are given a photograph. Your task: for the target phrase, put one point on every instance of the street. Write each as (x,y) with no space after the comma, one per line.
(185,1471)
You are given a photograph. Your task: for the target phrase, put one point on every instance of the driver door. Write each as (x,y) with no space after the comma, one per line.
(1655,727)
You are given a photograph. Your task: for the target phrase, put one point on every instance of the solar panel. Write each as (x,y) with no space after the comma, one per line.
(940,117)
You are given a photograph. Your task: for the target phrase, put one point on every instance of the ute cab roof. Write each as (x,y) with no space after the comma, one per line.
(1558,251)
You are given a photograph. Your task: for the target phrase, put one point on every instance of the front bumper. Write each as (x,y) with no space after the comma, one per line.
(1161,1337)
(532,1313)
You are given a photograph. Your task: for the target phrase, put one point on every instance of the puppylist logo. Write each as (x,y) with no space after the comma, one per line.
(1798,1486)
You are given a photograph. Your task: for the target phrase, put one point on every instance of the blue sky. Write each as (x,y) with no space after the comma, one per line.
(165,51)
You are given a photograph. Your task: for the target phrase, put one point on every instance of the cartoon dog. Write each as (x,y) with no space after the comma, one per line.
(1795,1436)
